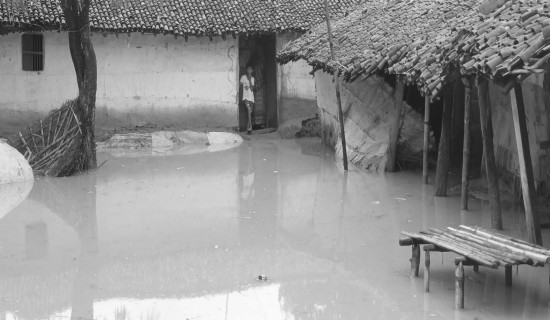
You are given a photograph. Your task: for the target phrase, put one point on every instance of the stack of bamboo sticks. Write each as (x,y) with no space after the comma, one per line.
(483,247)
(48,142)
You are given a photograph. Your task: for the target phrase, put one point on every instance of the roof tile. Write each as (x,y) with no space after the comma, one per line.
(421,39)
(188,17)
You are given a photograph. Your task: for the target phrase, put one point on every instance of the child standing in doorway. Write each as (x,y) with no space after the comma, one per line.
(248,83)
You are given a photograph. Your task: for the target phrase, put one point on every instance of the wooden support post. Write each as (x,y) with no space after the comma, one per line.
(415,260)
(395,124)
(488,150)
(466,144)
(337,84)
(427,250)
(426,138)
(427,271)
(525,166)
(444,152)
(459,286)
(508,276)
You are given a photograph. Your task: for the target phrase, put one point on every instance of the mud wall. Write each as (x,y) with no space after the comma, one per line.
(538,127)
(368,106)
(142,80)
(296,89)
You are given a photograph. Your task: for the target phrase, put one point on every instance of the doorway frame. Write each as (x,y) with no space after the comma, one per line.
(270,67)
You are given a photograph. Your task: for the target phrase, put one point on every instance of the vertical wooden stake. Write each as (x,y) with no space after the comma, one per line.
(394,126)
(488,150)
(426,138)
(466,144)
(337,84)
(459,286)
(444,152)
(508,276)
(525,166)
(415,260)
(427,271)
(427,249)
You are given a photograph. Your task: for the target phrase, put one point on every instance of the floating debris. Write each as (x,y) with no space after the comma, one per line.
(262,278)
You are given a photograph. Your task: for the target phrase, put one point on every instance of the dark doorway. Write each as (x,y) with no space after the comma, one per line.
(260,52)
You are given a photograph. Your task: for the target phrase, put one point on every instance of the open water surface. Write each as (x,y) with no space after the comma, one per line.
(186,237)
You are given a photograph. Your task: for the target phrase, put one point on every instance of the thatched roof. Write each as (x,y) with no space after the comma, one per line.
(420,39)
(178,17)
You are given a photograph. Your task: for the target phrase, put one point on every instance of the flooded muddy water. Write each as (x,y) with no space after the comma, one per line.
(186,237)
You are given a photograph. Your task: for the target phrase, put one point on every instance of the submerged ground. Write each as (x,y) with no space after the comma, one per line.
(186,236)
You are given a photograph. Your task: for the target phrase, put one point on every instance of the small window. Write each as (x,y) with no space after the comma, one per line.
(33,52)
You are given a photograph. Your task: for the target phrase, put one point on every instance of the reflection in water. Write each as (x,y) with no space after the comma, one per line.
(36,240)
(230,305)
(78,211)
(186,237)
(12,194)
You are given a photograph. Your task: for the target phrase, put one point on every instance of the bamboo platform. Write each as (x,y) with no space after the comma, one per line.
(476,247)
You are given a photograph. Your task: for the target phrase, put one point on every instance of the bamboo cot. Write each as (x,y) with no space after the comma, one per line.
(476,247)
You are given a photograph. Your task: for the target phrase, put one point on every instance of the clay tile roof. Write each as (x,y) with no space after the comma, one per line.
(512,40)
(178,17)
(420,39)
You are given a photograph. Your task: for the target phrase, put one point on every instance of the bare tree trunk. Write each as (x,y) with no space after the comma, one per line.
(84,61)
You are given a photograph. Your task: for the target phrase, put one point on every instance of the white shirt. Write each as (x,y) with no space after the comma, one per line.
(247,90)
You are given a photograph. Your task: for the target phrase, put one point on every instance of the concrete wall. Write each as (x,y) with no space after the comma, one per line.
(368,107)
(142,80)
(538,127)
(296,89)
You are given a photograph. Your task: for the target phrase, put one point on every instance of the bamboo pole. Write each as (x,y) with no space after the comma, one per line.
(466,144)
(57,140)
(444,151)
(484,246)
(408,242)
(427,250)
(415,260)
(537,256)
(525,166)
(459,286)
(452,247)
(58,124)
(508,276)
(337,84)
(49,130)
(42,132)
(471,250)
(394,129)
(426,138)
(76,119)
(54,153)
(488,150)
(32,139)
(26,145)
(506,239)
